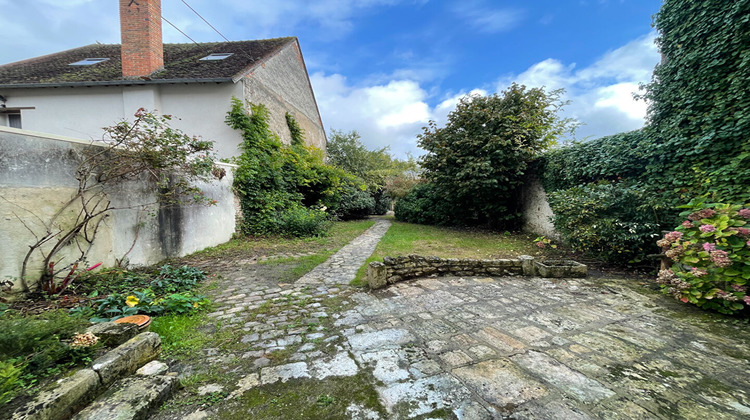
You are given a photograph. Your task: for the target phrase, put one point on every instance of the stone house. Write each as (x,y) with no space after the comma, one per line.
(75,93)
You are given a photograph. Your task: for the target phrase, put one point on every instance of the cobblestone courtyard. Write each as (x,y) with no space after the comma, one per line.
(467,348)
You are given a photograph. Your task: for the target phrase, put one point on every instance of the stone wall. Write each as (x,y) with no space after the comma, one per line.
(396,269)
(37,179)
(537,214)
(282,85)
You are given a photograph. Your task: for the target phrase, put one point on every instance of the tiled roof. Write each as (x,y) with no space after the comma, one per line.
(181,62)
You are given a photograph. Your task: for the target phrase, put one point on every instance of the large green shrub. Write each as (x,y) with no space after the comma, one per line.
(303,221)
(711,251)
(424,204)
(354,203)
(605,220)
(478,160)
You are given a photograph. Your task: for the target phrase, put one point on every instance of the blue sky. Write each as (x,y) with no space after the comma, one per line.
(386,67)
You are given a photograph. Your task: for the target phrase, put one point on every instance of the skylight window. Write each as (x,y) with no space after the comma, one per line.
(88,61)
(217,56)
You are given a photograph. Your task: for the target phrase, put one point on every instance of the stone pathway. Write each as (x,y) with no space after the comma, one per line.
(481,348)
(342,267)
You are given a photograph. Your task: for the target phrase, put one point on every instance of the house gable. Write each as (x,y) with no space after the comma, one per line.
(281,83)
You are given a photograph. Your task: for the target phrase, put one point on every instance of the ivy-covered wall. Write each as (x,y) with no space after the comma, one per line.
(612,195)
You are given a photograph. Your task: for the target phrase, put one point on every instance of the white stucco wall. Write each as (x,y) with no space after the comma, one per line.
(36,178)
(74,112)
(281,83)
(201,109)
(82,112)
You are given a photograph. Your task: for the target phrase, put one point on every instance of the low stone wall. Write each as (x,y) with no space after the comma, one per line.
(396,269)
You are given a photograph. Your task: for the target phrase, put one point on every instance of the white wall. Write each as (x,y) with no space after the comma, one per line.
(74,112)
(37,178)
(202,109)
(82,112)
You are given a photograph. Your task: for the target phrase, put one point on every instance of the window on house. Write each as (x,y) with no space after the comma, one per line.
(217,56)
(88,61)
(12,118)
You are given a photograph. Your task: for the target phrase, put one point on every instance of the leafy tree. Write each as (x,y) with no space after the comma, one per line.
(374,167)
(377,169)
(478,159)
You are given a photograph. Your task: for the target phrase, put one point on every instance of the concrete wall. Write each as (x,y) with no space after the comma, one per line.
(281,83)
(537,214)
(36,179)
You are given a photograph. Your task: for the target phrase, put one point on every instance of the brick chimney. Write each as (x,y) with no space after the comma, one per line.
(140,29)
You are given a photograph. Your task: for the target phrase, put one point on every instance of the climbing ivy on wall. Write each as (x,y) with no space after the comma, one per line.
(285,189)
(696,143)
(699,110)
(298,136)
(271,178)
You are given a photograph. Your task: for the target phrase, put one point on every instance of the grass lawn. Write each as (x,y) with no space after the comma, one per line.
(407,238)
(339,235)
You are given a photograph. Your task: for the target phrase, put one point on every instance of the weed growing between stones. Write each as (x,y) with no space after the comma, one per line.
(33,348)
(302,399)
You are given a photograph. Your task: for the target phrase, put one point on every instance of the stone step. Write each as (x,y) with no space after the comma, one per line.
(131,398)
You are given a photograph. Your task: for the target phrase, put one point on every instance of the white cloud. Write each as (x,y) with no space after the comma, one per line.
(487,19)
(389,114)
(46,26)
(265,19)
(601,94)
(392,112)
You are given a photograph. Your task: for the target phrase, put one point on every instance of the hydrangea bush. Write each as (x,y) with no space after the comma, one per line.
(711,254)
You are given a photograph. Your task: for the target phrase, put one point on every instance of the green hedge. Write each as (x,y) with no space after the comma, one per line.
(610,158)
(696,144)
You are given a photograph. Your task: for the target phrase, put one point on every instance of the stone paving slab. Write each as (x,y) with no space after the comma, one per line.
(486,348)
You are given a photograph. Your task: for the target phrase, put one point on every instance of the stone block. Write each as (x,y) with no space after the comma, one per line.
(63,399)
(376,275)
(153,367)
(113,334)
(429,270)
(527,265)
(561,269)
(130,398)
(126,358)
(394,279)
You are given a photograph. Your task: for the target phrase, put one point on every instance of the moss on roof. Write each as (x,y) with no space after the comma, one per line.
(181,61)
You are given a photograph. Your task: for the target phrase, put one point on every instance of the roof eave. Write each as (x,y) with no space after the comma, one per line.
(116,83)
